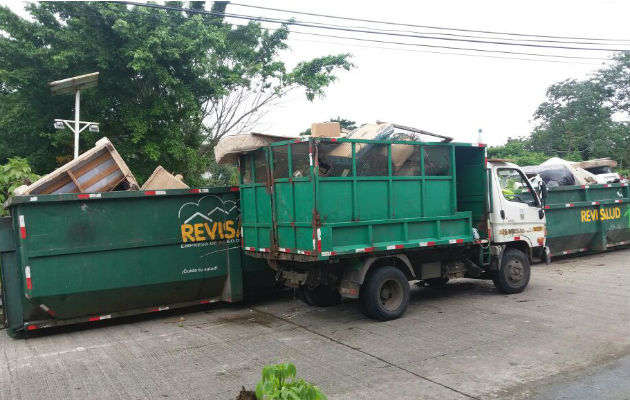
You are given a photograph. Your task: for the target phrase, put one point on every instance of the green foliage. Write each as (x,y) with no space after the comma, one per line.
(15,173)
(161,73)
(279,383)
(222,175)
(517,151)
(580,120)
(345,123)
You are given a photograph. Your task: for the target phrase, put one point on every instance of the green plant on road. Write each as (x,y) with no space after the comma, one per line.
(13,174)
(279,382)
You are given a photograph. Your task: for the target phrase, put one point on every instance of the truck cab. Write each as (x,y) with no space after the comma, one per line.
(516,208)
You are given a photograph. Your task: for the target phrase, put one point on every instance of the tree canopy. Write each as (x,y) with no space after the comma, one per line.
(580,120)
(171,82)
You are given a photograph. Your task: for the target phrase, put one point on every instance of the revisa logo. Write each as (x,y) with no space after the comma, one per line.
(211,218)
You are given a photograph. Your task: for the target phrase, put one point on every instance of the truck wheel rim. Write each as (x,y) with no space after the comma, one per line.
(515,273)
(391,295)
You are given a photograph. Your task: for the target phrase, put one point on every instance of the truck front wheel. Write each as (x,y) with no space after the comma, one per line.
(513,276)
(384,294)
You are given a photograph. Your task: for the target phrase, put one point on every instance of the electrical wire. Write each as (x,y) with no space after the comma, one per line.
(365,31)
(447,47)
(423,26)
(288,22)
(443,52)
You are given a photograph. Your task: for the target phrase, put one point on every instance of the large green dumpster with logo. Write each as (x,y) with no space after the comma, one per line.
(74,258)
(587,217)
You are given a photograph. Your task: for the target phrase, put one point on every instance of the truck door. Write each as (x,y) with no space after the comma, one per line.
(519,213)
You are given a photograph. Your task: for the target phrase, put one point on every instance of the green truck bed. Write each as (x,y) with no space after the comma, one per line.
(86,257)
(315,198)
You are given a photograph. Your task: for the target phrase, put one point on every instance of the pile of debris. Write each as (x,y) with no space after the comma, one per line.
(558,172)
(100,169)
(228,149)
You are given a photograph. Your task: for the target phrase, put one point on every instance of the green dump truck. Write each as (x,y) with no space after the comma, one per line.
(81,257)
(360,218)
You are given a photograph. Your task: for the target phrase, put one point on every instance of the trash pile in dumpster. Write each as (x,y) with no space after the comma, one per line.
(558,172)
(335,158)
(100,169)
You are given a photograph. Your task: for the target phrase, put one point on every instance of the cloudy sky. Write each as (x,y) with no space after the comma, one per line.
(450,94)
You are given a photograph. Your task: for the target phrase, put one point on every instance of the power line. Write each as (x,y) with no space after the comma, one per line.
(447,53)
(366,31)
(430,51)
(488,37)
(448,47)
(424,26)
(426,35)
(288,22)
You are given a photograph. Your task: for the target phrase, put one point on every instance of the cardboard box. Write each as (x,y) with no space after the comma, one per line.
(326,129)
(162,179)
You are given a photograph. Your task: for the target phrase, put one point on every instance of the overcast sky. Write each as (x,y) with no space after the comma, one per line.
(447,94)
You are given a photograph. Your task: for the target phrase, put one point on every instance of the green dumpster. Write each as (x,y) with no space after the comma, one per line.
(74,258)
(587,217)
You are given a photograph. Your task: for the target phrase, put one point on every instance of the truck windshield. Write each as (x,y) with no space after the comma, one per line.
(514,186)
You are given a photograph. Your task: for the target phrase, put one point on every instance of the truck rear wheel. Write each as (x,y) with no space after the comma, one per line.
(513,276)
(384,294)
(319,296)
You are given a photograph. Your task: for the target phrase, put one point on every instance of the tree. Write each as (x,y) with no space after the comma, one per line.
(580,120)
(517,151)
(163,75)
(13,174)
(614,83)
(588,118)
(576,119)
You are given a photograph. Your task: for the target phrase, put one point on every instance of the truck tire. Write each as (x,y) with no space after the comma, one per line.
(513,276)
(320,296)
(384,294)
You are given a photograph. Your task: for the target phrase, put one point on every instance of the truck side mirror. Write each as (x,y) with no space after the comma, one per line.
(543,192)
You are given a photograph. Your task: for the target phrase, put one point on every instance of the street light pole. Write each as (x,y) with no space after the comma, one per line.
(77,107)
(69,86)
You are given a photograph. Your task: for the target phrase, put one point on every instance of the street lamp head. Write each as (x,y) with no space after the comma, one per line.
(93,128)
(71,85)
(59,125)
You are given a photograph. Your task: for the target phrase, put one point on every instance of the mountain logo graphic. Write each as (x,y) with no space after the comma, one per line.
(217,224)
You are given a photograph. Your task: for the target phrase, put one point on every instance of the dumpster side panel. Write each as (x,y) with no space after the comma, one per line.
(10,277)
(122,251)
(590,217)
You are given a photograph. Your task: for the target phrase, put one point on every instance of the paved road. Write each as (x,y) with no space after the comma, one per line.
(566,336)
